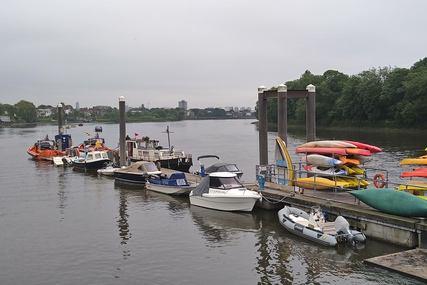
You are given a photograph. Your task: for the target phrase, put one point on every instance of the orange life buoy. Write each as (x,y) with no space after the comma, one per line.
(379,180)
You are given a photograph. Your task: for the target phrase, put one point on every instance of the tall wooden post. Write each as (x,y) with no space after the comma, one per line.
(122,127)
(262,126)
(311,113)
(60,128)
(282,112)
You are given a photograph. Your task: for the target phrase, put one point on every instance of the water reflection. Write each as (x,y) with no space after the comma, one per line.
(219,227)
(175,204)
(62,186)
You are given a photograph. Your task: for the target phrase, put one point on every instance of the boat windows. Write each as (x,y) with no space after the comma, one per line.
(98,155)
(150,167)
(225,182)
(231,168)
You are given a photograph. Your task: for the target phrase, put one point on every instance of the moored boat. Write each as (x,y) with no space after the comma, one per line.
(94,143)
(95,159)
(136,173)
(218,166)
(47,149)
(314,227)
(175,184)
(146,149)
(223,191)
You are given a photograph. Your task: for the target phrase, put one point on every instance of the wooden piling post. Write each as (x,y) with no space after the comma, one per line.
(262,126)
(282,112)
(122,127)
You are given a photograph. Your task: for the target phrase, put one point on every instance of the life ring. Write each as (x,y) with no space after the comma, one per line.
(379,180)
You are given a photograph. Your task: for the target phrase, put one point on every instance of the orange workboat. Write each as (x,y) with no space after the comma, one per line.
(45,149)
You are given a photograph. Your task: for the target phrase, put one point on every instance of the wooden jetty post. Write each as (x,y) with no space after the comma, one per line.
(282,94)
(262,126)
(60,128)
(122,132)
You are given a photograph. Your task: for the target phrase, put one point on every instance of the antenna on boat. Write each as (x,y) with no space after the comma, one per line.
(169,140)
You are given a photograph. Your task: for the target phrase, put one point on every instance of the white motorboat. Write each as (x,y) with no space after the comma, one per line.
(313,226)
(217,166)
(95,159)
(223,191)
(175,184)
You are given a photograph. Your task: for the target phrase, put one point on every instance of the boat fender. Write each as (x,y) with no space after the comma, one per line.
(379,180)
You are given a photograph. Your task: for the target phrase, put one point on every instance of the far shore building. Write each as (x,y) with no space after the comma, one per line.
(182,105)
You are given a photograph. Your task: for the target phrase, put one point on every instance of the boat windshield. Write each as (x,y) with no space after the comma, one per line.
(225,182)
(150,167)
(232,168)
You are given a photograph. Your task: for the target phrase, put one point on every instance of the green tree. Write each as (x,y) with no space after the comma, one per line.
(111,115)
(26,111)
(413,106)
(393,92)
(327,94)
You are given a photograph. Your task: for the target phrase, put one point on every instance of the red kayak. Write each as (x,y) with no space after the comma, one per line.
(419,172)
(371,148)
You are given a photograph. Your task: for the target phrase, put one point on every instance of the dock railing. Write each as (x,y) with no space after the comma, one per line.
(279,174)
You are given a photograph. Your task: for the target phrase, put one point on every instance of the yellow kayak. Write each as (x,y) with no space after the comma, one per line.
(417,160)
(354,182)
(319,183)
(417,188)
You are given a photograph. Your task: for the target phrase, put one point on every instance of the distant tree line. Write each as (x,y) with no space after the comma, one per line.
(26,112)
(383,97)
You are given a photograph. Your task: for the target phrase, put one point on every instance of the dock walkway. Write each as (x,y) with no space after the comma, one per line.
(411,263)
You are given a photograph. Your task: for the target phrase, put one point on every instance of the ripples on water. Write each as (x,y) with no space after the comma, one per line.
(61,226)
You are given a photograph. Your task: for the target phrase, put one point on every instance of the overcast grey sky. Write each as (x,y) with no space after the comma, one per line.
(209,53)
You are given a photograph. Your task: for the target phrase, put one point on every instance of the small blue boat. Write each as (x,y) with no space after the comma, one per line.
(175,184)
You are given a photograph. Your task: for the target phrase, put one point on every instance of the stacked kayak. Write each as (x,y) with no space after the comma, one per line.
(415,187)
(335,163)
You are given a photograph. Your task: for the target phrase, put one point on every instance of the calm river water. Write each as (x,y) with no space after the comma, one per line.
(62,226)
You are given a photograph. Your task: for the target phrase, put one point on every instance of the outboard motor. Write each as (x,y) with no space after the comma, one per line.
(343,230)
(342,227)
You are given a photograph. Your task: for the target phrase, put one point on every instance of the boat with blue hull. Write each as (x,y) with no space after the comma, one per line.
(175,184)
